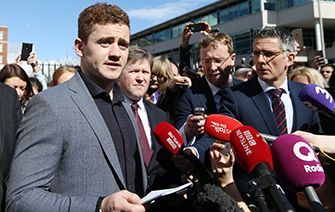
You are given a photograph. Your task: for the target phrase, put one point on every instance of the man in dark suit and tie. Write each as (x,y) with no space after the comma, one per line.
(77,148)
(217,59)
(270,102)
(134,82)
(10,113)
(258,101)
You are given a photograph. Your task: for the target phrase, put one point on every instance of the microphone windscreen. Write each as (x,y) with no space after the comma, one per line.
(250,148)
(220,126)
(296,164)
(169,136)
(317,98)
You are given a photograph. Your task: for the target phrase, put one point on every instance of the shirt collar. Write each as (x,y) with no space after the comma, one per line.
(215,89)
(98,92)
(139,102)
(266,87)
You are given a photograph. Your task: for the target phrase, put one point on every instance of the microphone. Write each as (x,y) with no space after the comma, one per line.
(269,138)
(170,137)
(303,170)
(220,126)
(318,99)
(254,156)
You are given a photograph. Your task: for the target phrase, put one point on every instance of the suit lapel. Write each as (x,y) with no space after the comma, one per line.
(295,101)
(206,99)
(262,103)
(138,144)
(84,101)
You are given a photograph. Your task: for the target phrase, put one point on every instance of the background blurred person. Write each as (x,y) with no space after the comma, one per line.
(327,71)
(161,78)
(307,75)
(36,85)
(14,76)
(36,69)
(62,74)
(175,89)
(242,72)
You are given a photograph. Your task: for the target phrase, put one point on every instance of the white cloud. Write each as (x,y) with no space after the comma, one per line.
(165,11)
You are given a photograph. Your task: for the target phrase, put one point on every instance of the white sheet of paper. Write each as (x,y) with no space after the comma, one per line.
(159,193)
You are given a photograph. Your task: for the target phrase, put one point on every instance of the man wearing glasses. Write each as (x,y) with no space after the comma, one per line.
(270,103)
(217,59)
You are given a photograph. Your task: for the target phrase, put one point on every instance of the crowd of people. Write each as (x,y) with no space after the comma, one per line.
(86,141)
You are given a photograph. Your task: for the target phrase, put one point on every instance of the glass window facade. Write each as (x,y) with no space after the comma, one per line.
(178,30)
(1,35)
(234,11)
(162,35)
(255,6)
(243,42)
(211,19)
(1,47)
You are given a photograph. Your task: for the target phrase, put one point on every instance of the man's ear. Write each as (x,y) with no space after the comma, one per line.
(78,47)
(233,58)
(291,57)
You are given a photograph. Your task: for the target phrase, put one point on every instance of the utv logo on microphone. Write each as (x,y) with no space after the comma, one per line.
(299,150)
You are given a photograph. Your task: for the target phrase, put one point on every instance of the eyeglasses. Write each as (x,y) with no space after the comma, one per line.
(217,61)
(269,55)
(160,78)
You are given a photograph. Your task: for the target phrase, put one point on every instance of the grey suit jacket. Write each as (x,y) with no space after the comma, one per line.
(65,157)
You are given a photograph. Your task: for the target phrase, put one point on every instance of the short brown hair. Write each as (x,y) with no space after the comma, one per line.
(138,53)
(100,13)
(216,40)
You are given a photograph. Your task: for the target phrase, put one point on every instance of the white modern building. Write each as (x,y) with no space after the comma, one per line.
(241,18)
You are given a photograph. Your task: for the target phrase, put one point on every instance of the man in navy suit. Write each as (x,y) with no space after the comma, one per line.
(252,102)
(217,59)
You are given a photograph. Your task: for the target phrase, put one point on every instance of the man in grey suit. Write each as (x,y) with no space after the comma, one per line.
(77,149)
(10,113)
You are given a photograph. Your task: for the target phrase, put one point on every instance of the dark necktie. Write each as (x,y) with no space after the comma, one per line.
(146,150)
(278,109)
(217,100)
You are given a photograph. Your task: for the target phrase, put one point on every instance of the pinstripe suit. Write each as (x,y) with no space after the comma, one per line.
(10,115)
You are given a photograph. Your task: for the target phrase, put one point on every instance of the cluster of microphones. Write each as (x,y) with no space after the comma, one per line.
(286,161)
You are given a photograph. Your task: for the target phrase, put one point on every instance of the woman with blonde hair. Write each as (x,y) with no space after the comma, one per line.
(161,78)
(308,75)
(312,76)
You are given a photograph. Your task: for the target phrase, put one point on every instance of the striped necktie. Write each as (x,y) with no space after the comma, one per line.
(278,109)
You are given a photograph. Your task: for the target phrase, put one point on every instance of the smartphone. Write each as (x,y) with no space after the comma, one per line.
(181,86)
(25,51)
(198,111)
(319,53)
(198,27)
(298,37)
